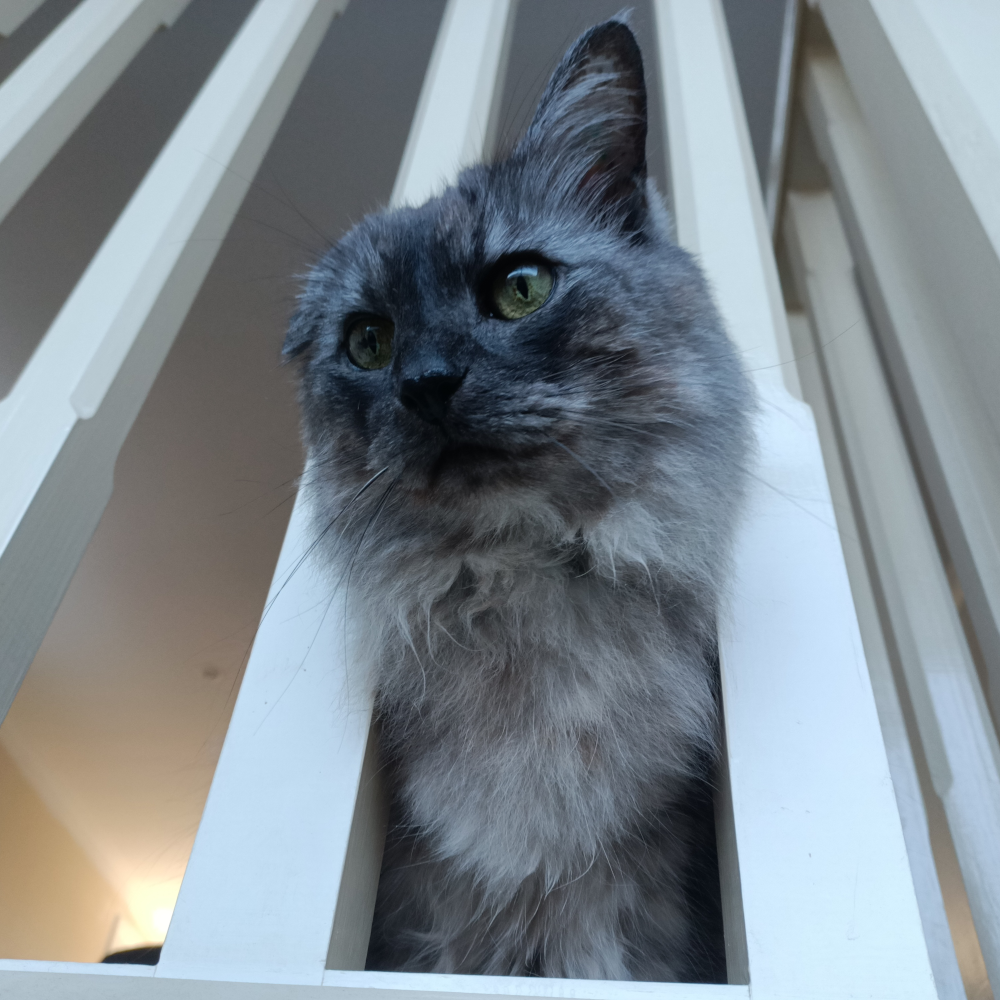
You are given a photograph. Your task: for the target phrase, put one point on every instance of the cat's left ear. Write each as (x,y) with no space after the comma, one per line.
(590,126)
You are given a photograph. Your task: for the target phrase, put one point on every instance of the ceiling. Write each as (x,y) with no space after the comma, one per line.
(120,720)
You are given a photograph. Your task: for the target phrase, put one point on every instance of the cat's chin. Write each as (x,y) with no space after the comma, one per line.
(469,464)
(463,468)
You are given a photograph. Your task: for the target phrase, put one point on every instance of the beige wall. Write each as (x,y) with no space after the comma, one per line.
(53,902)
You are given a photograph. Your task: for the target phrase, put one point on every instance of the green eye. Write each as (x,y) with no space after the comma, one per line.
(521,289)
(369,341)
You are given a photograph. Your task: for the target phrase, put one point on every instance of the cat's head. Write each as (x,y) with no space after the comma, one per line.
(530,338)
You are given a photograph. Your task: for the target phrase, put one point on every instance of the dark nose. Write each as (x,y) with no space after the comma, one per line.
(428,394)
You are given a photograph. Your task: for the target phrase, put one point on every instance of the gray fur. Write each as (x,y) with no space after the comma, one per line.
(537,579)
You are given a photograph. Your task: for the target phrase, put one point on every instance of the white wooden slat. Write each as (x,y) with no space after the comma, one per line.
(464,80)
(13,13)
(902,766)
(827,895)
(358,889)
(261,896)
(709,154)
(65,419)
(446,986)
(59,980)
(924,80)
(955,728)
(258,899)
(51,92)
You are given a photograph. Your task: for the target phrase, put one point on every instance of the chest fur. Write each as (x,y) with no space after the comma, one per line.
(535,722)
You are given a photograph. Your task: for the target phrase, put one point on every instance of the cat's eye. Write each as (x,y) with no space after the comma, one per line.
(369,341)
(520,289)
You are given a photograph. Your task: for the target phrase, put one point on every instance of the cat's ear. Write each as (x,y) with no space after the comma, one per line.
(302,329)
(590,126)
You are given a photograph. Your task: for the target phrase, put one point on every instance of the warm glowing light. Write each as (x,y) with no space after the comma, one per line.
(147,912)
(160,919)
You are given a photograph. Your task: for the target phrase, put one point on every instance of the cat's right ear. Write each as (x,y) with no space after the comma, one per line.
(302,331)
(590,127)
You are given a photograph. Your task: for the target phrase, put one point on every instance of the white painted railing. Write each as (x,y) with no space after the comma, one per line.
(65,419)
(914,214)
(823,268)
(51,92)
(14,13)
(927,84)
(817,885)
(812,802)
(291,768)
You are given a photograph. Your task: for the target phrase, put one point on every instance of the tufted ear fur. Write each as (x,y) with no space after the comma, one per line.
(590,126)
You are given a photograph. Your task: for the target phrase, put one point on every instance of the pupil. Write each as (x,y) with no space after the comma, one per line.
(372,343)
(522,286)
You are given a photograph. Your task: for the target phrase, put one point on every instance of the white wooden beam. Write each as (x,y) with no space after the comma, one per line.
(902,764)
(258,899)
(462,81)
(809,346)
(14,13)
(827,895)
(53,90)
(21,980)
(65,419)
(261,900)
(915,146)
(715,186)
(955,727)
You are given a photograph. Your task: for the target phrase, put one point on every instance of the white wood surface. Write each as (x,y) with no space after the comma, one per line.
(13,13)
(955,729)
(58,980)
(709,150)
(924,79)
(516,986)
(51,92)
(828,900)
(261,895)
(902,765)
(461,83)
(258,899)
(65,419)
(352,920)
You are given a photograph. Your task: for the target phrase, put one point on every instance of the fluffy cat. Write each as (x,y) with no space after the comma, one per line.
(528,438)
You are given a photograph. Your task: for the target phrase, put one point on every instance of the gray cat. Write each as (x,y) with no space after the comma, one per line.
(529,438)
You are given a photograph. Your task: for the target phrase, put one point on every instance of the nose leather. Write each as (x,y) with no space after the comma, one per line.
(428,394)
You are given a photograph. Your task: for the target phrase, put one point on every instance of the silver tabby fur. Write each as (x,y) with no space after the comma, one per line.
(537,575)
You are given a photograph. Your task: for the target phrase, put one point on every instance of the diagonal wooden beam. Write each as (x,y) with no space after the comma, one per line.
(65,420)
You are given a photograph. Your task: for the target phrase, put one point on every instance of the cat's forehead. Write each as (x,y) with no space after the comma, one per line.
(447,230)
(468,227)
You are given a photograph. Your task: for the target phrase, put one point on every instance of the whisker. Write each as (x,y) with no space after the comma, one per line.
(371,520)
(357,548)
(305,555)
(573,454)
(295,208)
